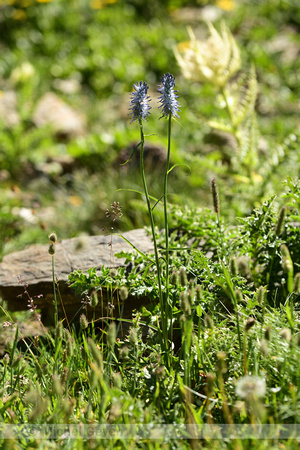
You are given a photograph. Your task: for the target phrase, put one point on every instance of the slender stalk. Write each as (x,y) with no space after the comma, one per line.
(161,300)
(241,347)
(54,293)
(167,306)
(245,354)
(223,92)
(55,315)
(238,328)
(234,129)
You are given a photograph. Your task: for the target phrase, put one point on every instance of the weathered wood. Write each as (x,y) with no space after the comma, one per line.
(32,267)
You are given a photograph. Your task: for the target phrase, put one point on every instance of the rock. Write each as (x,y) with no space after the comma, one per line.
(209,13)
(8,109)
(31,327)
(53,111)
(69,86)
(30,271)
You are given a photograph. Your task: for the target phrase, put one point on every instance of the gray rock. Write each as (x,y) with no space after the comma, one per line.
(30,270)
(8,109)
(53,111)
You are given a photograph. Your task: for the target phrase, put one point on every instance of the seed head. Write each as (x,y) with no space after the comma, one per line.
(249,324)
(263,347)
(280,222)
(238,296)
(70,345)
(57,389)
(233,266)
(123,293)
(174,279)
(260,295)
(53,237)
(208,321)
(96,353)
(296,288)
(51,249)
(83,322)
(94,300)
(250,387)
(169,104)
(111,334)
(268,333)
(199,293)
(185,304)
(286,334)
(59,330)
(117,380)
(133,336)
(183,277)
(6,359)
(215,195)
(124,352)
(210,378)
(287,263)
(139,106)
(221,363)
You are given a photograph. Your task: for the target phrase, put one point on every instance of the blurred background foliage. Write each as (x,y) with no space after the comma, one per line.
(89,54)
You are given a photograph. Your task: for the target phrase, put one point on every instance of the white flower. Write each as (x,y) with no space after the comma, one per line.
(249,387)
(22,73)
(214,60)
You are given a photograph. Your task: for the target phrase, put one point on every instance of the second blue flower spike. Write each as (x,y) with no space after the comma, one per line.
(169,104)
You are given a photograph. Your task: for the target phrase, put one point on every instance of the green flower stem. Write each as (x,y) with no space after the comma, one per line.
(161,300)
(167,227)
(235,131)
(55,316)
(234,128)
(245,354)
(223,92)
(54,293)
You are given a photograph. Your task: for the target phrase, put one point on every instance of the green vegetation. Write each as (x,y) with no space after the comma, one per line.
(219,339)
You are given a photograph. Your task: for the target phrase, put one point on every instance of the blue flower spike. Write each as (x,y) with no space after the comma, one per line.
(140,108)
(169,104)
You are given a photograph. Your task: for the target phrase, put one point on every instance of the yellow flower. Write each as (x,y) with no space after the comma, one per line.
(214,60)
(226,5)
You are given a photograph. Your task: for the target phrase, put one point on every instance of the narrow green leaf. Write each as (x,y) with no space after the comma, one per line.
(132,154)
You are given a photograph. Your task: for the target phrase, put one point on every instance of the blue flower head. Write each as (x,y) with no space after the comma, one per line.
(168,97)
(140,108)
